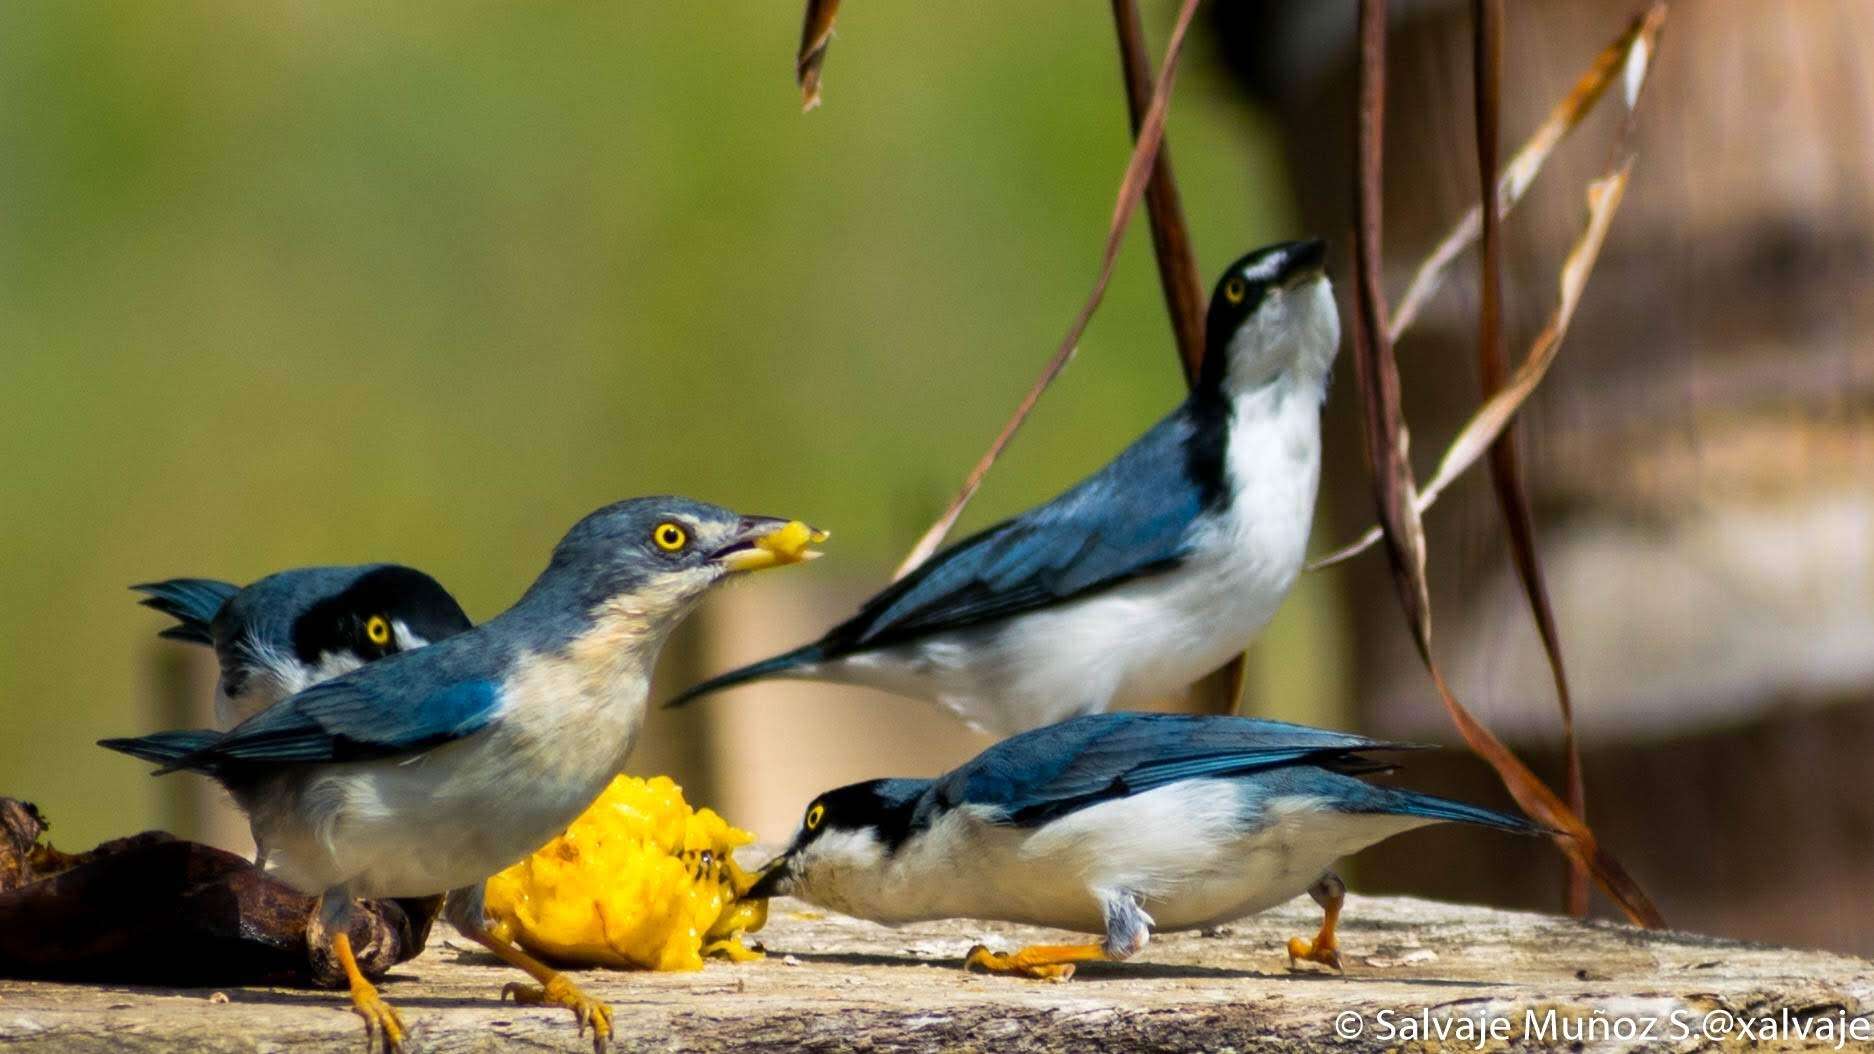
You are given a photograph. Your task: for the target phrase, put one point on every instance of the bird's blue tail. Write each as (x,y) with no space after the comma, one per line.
(192,602)
(163,748)
(1412,803)
(805,655)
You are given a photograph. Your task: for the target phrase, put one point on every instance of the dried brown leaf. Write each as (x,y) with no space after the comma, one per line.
(1131,189)
(1628,57)
(816,32)
(1171,238)
(1177,276)
(1488,422)
(1377,377)
(1493,363)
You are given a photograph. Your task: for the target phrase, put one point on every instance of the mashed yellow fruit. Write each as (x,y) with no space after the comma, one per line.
(639,880)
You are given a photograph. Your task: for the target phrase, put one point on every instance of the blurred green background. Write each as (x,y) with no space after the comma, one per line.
(286,284)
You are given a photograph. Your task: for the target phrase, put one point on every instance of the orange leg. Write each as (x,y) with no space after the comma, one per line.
(1329,892)
(1046,962)
(377,1014)
(554,989)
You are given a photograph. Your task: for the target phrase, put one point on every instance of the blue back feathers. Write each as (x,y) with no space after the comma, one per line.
(1133,517)
(1040,775)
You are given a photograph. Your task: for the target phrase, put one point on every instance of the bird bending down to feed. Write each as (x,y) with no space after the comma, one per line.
(428,771)
(289,631)
(1145,576)
(1113,824)
(293,629)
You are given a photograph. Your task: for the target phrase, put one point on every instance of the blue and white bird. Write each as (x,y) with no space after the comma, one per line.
(428,771)
(1112,824)
(1145,576)
(291,630)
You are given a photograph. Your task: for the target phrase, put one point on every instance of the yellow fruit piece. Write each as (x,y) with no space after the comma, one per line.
(639,880)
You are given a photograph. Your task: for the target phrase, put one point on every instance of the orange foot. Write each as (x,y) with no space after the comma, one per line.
(378,1015)
(1330,893)
(559,991)
(1320,950)
(1042,962)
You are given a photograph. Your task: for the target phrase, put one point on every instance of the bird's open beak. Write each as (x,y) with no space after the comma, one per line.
(774,880)
(764,541)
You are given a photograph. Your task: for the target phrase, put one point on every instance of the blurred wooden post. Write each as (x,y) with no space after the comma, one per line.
(171,687)
(682,744)
(180,694)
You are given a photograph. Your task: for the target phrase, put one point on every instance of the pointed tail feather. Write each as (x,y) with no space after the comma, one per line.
(1412,803)
(805,655)
(164,748)
(192,602)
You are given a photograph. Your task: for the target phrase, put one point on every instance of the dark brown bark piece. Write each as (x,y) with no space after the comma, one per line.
(153,909)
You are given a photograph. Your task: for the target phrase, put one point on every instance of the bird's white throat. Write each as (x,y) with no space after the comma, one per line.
(1293,335)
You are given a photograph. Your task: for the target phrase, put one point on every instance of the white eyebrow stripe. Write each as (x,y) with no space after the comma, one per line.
(407,639)
(1266,268)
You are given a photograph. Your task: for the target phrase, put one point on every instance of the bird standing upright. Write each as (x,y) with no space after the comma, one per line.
(428,771)
(1143,577)
(1113,824)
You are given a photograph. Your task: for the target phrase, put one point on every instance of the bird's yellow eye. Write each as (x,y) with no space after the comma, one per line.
(377,630)
(1235,289)
(670,537)
(815,815)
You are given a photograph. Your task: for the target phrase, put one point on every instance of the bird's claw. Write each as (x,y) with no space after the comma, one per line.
(1014,963)
(1322,950)
(378,1017)
(559,991)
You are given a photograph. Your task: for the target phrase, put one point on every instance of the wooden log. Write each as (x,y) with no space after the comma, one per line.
(155,908)
(833,984)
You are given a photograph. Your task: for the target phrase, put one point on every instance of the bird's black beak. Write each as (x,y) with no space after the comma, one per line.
(1306,260)
(775,880)
(761,542)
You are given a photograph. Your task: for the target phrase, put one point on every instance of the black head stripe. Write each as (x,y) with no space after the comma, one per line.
(885,807)
(336,623)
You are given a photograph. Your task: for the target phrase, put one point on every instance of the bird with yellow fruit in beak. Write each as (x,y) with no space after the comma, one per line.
(428,771)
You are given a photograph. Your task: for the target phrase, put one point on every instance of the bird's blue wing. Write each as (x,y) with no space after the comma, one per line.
(1039,775)
(354,718)
(1133,517)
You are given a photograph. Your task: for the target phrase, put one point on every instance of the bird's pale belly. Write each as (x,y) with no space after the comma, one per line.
(1185,852)
(1137,644)
(511,793)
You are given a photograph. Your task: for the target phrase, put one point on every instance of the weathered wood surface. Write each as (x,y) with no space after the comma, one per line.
(833,984)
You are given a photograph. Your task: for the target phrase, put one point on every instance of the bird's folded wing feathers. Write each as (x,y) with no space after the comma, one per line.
(348,719)
(1040,775)
(1052,554)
